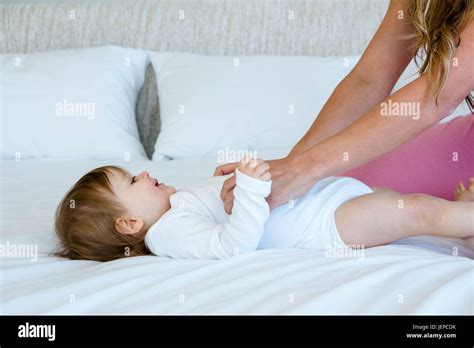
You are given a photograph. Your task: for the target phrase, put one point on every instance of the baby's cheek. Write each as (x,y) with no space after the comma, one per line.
(141,202)
(156,200)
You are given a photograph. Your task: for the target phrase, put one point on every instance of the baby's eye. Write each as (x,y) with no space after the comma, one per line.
(133,179)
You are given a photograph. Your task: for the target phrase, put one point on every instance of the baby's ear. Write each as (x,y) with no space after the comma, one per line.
(128,225)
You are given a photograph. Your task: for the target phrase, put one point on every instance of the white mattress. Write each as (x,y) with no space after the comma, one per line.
(414,276)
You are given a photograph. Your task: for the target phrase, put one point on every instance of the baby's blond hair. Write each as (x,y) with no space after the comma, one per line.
(85,221)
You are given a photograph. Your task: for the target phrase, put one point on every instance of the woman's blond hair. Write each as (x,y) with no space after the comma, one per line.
(85,221)
(438,24)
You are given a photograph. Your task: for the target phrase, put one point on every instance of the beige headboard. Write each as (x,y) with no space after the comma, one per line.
(220,27)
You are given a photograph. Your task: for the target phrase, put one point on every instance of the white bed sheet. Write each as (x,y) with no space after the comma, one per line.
(414,276)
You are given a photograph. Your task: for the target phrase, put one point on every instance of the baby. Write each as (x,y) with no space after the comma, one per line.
(110,214)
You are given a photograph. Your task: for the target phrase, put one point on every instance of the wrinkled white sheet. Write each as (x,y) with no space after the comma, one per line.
(414,276)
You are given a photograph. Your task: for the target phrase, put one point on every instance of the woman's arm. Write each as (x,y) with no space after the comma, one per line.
(335,144)
(371,80)
(375,133)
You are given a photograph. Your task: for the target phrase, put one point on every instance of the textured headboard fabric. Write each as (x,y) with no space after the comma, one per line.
(214,27)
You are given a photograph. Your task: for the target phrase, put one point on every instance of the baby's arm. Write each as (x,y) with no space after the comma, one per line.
(190,235)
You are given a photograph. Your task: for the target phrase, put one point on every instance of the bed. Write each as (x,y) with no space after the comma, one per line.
(423,275)
(413,276)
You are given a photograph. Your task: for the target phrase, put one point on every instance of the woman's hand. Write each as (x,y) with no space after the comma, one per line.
(225,169)
(255,168)
(288,182)
(227,191)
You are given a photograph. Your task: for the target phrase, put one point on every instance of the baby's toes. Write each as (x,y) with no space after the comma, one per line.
(458,192)
(463,194)
(471,184)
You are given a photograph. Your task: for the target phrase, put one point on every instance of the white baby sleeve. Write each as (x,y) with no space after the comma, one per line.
(190,235)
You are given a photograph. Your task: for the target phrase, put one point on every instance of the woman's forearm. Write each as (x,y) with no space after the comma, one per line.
(352,98)
(378,131)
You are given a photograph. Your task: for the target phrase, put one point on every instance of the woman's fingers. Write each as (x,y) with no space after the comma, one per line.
(266,176)
(261,168)
(227,186)
(285,184)
(229,202)
(225,169)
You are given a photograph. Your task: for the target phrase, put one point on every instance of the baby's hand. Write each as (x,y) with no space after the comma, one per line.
(256,168)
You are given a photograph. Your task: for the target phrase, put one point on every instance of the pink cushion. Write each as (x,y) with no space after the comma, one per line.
(432,163)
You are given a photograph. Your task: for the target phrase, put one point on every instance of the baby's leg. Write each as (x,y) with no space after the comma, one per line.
(383,217)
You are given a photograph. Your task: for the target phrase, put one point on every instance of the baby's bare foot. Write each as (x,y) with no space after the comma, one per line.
(462,194)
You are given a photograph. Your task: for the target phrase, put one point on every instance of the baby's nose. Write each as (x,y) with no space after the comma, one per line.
(145,174)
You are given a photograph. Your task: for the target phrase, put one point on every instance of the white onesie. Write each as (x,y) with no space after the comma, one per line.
(197,225)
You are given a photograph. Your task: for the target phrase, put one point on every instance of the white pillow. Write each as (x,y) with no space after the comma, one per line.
(72,103)
(212,103)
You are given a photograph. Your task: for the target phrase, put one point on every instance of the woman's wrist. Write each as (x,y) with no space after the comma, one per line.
(305,165)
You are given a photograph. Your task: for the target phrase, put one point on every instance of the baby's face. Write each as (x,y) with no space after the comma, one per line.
(142,195)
